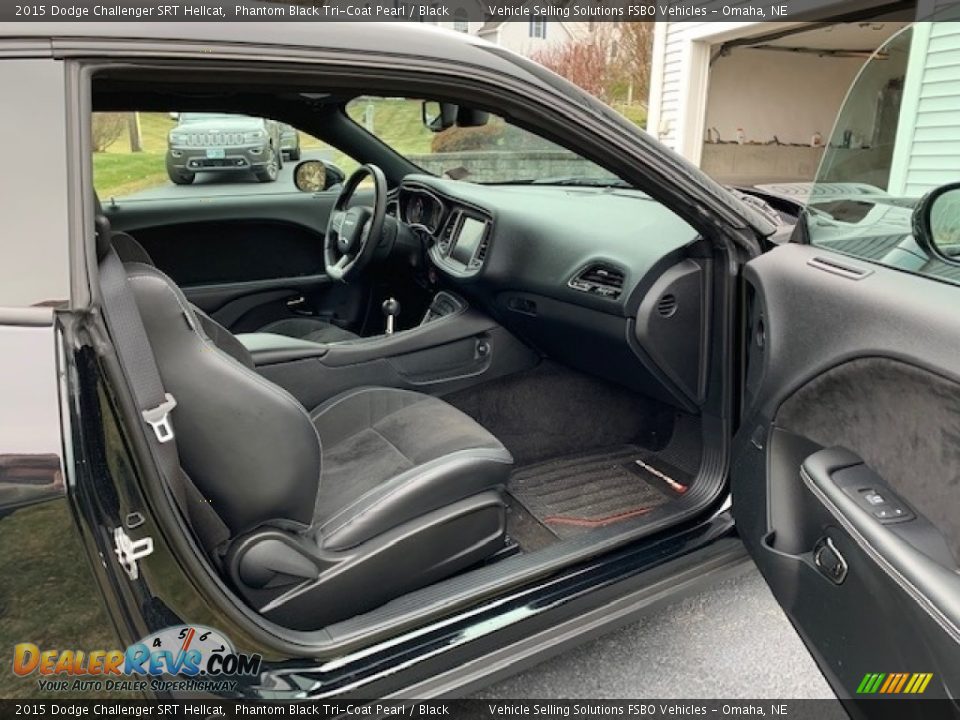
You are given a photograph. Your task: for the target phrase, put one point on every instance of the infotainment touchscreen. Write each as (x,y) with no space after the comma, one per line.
(471,232)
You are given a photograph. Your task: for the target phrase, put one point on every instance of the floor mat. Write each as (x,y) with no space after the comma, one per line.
(578,493)
(525,530)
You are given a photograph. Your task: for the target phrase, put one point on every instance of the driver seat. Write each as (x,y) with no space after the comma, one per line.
(305,328)
(321,514)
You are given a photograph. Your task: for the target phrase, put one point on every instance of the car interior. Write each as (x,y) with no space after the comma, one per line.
(402,389)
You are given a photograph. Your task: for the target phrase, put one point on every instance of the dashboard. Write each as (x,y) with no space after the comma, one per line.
(458,234)
(605,279)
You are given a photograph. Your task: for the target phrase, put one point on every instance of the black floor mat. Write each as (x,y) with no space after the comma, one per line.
(582,492)
(525,530)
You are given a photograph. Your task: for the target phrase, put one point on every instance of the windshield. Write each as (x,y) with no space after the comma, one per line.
(895,139)
(496,152)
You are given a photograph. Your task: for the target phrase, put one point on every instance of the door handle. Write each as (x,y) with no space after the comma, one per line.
(298,304)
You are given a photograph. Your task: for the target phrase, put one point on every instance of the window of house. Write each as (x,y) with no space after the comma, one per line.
(538,29)
(460,23)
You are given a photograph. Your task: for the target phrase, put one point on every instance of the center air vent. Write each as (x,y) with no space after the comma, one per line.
(481,254)
(602,280)
(446,235)
(667,305)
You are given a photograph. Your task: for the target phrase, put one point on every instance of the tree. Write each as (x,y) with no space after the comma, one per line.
(611,62)
(634,53)
(106,129)
(586,61)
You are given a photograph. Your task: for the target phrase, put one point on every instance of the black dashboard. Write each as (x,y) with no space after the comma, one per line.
(605,279)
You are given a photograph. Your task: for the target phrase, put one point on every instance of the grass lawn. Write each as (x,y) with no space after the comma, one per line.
(119,174)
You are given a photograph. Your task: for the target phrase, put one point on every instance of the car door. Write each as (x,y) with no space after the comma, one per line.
(846,467)
(245,252)
(49,595)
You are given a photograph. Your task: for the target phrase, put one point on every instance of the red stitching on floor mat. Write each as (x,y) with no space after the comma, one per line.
(596,522)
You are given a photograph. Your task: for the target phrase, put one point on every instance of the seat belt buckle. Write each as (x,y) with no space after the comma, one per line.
(159,419)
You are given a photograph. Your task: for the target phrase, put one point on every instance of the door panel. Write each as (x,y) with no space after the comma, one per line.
(852,392)
(246,259)
(233,251)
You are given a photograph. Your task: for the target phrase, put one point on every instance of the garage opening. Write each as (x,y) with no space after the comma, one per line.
(773,100)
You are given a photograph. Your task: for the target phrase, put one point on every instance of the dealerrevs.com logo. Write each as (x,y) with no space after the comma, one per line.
(185,658)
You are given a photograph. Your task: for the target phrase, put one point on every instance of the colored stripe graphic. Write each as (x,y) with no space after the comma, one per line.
(894,683)
(903,680)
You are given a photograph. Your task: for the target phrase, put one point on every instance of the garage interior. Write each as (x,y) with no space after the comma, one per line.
(773,100)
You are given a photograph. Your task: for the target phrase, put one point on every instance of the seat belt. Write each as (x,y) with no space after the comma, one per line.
(155,404)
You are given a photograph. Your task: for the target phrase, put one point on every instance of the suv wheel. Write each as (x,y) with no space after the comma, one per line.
(270,170)
(185,178)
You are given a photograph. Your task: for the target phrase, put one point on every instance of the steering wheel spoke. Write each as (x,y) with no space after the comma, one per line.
(353,233)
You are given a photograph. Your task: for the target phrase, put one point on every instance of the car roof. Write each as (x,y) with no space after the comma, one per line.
(396,39)
(414,39)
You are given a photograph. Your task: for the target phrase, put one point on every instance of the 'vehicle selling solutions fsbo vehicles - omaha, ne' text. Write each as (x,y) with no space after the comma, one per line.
(413,415)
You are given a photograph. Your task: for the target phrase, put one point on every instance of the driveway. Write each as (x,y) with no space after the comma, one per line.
(229,183)
(731,641)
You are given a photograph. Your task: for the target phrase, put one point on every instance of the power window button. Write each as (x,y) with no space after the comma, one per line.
(874,498)
(890,513)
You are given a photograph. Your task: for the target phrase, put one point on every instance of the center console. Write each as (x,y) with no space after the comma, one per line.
(442,305)
(453,347)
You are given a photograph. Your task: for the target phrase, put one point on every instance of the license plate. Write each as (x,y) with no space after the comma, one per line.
(215,153)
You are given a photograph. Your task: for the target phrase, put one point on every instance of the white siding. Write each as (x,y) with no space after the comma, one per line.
(671,81)
(927,152)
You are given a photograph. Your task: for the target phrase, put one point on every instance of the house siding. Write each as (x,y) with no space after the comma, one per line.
(928,140)
(666,126)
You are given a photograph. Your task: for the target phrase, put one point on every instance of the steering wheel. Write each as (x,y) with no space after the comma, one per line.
(354,233)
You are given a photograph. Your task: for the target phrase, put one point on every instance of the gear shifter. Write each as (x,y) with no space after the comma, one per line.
(391,309)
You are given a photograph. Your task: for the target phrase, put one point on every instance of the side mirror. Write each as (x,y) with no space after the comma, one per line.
(936,223)
(314,176)
(438,116)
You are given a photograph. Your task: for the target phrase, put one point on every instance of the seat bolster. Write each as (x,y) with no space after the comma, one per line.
(415,492)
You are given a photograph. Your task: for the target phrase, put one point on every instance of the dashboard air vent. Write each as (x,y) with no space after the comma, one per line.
(667,305)
(602,280)
(446,235)
(481,253)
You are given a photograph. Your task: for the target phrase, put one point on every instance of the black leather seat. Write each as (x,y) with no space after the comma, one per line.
(306,328)
(331,512)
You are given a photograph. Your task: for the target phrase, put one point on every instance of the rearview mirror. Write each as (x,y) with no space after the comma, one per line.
(936,223)
(316,176)
(438,116)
